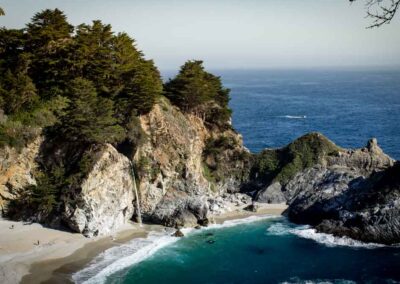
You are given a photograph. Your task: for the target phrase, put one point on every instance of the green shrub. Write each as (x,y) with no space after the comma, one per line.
(282,164)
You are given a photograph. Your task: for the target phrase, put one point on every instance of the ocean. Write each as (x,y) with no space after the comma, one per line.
(270,109)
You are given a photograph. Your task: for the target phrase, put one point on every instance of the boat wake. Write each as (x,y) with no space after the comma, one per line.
(280,229)
(295,116)
(126,255)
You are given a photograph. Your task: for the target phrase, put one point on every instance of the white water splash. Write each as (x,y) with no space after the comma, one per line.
(280,229)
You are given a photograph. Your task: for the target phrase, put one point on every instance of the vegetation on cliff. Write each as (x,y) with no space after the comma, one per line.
(282,164)
(58,74)
(84,86)
(196,91)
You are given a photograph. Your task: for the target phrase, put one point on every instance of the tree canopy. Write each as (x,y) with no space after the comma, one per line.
(97,74)
(196,91)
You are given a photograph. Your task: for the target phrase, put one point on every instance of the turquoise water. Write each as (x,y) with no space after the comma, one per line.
(265,251)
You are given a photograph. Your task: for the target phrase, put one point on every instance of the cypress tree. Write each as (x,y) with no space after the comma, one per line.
(89,118)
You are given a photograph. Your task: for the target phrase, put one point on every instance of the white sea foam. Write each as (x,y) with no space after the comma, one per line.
(280,229)
(123,256)
(332,241)
(120,257)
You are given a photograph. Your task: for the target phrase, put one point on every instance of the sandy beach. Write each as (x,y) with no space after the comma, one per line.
(59,254)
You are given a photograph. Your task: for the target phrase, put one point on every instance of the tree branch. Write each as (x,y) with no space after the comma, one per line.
(381,11)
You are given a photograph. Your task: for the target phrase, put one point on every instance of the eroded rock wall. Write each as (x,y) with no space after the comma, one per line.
(17,171)
(103,201)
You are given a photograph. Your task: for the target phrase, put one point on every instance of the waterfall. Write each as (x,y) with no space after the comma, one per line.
(139,215)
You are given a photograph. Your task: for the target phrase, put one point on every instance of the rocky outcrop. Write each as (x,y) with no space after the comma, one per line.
(103,201)
(370,210)
(331,195)
(366,209)
(17,171)
(272,194)
(169,166)
(176,183)
(311,166)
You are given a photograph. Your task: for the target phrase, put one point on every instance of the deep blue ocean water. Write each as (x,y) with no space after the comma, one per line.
(271,108)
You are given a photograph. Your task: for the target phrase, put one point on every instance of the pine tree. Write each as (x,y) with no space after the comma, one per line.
(49,43)
(89,118)
(17,92)
(197,91)
(94,55)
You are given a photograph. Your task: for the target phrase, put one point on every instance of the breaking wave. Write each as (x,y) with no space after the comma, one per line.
(280,229)
(124,256)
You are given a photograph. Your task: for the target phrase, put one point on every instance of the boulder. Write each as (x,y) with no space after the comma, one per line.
(251,208)
(103,201)
(272,194)
(178,233)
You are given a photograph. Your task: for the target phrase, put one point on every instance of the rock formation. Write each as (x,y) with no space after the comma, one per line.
(103,201)
(17,171)
(176,185)
(187,170)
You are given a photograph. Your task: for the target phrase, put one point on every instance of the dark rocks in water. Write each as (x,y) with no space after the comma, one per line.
(209,234)
(204,222)
(178,234)
(197,227)
(210,241)
(251,208)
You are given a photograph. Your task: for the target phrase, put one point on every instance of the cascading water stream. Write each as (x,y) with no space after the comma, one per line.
(139,215)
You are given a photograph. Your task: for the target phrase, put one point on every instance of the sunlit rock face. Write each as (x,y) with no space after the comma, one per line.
(17,171)
(175,188)
(103,201)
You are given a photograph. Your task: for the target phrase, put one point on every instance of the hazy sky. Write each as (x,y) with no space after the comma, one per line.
(235,33)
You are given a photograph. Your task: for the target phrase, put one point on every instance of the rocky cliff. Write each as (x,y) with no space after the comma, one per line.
(183,169)
(186,170)
(17,171)
(355,193)
(344,192)
(178,177)
(103,200)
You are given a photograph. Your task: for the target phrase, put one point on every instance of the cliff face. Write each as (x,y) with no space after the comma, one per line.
(183,171)
(176,184)
(369,210)
(332,195)
(186,170)
(17,171)
(103,200)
